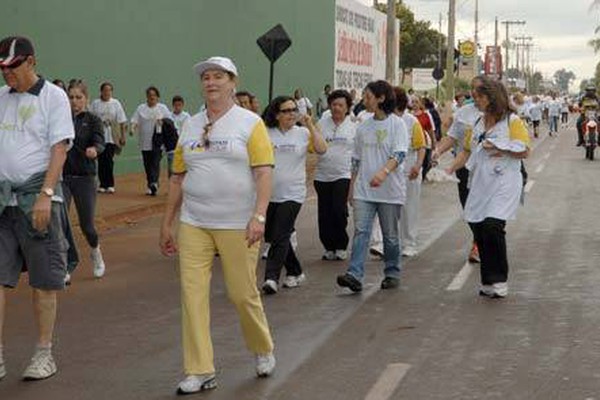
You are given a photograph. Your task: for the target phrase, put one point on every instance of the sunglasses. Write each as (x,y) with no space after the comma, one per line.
(206,134)
(288,110)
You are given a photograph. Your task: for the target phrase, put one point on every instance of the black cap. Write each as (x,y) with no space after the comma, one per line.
(14,49)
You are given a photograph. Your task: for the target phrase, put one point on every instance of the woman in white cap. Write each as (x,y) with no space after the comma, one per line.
(221,186)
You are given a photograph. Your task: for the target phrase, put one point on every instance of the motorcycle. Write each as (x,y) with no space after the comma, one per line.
(590,138)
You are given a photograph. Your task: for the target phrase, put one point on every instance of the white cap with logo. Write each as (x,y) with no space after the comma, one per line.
(222,63)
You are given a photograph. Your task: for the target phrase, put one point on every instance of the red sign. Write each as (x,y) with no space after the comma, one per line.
(493,61)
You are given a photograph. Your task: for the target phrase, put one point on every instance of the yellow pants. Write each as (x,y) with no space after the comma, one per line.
(197,249)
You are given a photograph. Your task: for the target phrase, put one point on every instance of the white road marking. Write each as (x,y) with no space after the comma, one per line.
(388,382)
(540,168)
(461,278)
(529,185)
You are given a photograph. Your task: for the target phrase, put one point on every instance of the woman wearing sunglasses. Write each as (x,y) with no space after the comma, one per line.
(291,144)
(221,186)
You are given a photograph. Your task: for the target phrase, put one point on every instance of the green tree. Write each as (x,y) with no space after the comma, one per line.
(563,79)
(535,82)
(595,43)
(419,42)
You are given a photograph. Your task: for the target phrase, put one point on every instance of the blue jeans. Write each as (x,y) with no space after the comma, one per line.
(554,123)
(389,215)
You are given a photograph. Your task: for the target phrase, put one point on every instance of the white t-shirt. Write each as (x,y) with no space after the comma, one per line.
(554,108)
(218,189)
(364,115)
(495,183)
(289,176)
(179,119)
(304,105)
(535,111)
(110,112)
(464,120)
(335,163)
(376,141)
(416,138)
(146,118)
(30,124)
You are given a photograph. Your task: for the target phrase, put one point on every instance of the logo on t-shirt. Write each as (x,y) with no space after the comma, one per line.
(285,148)
(381,135)
(26,112)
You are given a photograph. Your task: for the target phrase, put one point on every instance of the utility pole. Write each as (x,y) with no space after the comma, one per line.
(439,60)
(391,45)
(527,60)
(476,63)
(521,54)
(496,33)
(507,44)
(450,50)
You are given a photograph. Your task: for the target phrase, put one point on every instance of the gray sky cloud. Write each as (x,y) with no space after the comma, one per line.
(560,28)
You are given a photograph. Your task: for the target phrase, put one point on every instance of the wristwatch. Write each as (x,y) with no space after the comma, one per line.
(48,192)
(260,218)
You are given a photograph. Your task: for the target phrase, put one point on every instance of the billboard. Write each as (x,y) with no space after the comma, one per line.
(360,45)
(493,61)
(422,79)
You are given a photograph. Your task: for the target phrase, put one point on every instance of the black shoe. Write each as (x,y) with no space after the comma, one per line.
(390,283)
(153,189)
(350,282)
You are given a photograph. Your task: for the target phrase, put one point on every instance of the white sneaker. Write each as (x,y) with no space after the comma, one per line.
(196,383)
(101,190)
(294,240)
(42,366)
(67,279)
(495,291)
(328,256)
(376,250)
(410,252)
(293,281)
(265,364)
(265,253)
(341,255)
(110,190)
(500,289)
(269,287)
(98,261)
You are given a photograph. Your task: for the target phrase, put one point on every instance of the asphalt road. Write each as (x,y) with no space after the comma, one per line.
(119,338)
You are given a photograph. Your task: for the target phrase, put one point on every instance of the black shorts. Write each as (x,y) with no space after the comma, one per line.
(535,123)
(44,254)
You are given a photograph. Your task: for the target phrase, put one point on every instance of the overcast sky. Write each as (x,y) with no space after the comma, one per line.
(560,28)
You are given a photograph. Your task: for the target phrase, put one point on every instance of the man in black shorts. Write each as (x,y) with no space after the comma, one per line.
(35,132)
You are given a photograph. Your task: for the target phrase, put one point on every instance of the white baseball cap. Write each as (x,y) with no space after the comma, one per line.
(222,63)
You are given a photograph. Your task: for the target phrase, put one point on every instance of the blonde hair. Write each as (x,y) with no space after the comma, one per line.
(79,84)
